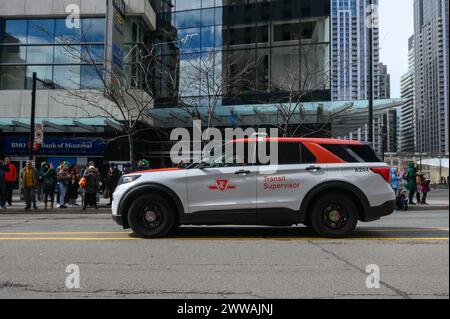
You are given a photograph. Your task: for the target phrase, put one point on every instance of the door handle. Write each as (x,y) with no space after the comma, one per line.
(242,172)
(314,168)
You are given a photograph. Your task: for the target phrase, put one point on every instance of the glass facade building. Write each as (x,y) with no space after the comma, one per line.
(66,58)
(245,47)
(55,52)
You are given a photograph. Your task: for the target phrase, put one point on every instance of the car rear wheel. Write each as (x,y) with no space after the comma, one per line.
(151,216)
(334,216)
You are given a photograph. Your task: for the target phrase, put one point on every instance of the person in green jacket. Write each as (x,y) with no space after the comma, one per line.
(411,184)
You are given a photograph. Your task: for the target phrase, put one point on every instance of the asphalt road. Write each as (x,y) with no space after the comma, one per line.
(411,250)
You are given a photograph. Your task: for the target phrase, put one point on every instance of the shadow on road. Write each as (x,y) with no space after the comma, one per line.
(231,232)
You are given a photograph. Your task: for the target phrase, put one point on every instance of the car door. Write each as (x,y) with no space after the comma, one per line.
(221,187)
(281,188)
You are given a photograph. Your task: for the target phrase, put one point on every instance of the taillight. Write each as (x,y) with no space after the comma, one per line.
(384,172)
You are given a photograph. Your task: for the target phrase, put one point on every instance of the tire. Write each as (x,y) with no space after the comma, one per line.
(334,216)
(151,216)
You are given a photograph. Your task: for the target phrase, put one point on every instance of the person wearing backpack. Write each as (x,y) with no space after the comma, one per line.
(48,175)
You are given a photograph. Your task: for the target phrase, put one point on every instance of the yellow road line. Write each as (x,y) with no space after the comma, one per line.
(67,233)
(219,239)
(129,232)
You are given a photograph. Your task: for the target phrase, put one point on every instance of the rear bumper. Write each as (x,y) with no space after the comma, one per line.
(376,212)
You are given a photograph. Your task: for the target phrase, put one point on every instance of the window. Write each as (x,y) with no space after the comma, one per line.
(93,30)
(365,152)
(13,54)
(91,77)
(12,77)
(15,31)
(289,153)
(49,48)
(306,155)
(44,72)
(41,31)
(353,153)
(67,76)
(40,55)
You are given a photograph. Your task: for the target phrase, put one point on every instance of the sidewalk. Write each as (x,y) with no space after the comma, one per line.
(438,199)
(18,207)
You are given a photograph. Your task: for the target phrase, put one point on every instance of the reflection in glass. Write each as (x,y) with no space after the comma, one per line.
(15,31)
(67,76)
(189,39)
(12,77)
(67,54)
(93,54)
(188,4)
(93,30)
(65,35)
(91,77)
(40,55)
(13,54)
(44,73)
(41,31)
(188,19)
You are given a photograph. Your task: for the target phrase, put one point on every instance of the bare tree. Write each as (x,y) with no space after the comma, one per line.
(123,94)
(204,79)
(296,85)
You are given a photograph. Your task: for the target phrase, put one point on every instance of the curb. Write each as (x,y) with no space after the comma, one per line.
(427,208)
(56,211)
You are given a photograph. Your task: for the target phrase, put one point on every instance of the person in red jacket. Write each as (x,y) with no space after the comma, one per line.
(10,179)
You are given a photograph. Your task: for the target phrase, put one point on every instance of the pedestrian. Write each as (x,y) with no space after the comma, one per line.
(144,165)
(91,188)
(10,180)
(395,180)
(48,174)
(127,169)
(411,184)
(425,189)
(63,180)
(402,201)
(29,177)
(420,178)
(3,170)
(72,190)
(112,181)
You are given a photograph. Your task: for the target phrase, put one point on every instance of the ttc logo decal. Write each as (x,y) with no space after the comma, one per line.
(222,185)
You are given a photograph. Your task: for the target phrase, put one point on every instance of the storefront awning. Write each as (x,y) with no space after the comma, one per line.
(352,113)
(61,125)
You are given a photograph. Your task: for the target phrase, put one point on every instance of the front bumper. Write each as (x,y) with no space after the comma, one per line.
(118,219)
(376,212)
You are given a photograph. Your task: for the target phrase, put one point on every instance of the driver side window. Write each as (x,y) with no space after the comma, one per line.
(241,156)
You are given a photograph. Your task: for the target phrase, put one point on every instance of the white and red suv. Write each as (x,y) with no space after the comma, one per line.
(326,184)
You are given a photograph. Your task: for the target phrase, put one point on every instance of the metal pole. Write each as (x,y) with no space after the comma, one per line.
(33,115)
(370,77)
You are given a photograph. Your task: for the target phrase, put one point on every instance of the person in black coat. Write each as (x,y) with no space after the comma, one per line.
(112,181)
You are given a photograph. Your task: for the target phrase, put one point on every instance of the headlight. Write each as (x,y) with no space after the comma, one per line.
(128,179)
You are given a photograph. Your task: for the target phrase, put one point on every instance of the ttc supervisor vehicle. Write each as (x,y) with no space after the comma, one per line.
(326,184)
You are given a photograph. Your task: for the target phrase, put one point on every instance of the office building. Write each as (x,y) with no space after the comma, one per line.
(431,51)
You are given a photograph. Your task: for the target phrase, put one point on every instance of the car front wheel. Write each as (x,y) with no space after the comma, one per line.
(334,216)
(151,216)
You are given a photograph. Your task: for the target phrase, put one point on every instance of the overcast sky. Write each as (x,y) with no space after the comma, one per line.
(396,26)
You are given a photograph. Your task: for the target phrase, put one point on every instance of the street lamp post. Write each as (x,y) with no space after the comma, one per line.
(33,116)
(33,111)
